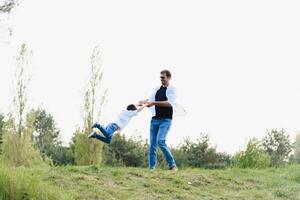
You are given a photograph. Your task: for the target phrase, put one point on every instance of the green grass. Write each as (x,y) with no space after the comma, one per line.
(19,184)
(135,183)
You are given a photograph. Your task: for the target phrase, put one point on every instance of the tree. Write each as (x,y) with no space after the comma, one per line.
(252,157)
(6,6)
(23,78)
(17,135)
(277,144)
(46,134)
(89,151)
(296,156)
(46,138)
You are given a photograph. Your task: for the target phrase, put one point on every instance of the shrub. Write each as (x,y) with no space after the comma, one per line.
(87,151)
(200,154)
(61,155)
(17,149)
(134,153)
(252,157)
(125,152)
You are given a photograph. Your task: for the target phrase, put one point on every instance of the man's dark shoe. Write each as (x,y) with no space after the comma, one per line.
(173,168)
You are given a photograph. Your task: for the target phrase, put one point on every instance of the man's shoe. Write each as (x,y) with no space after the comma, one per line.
(92,135)
(173,168)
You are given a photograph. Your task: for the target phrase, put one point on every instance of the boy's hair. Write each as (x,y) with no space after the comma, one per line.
(131,107)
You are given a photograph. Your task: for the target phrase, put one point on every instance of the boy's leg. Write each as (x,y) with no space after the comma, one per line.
(111,129)
(153,143)
(108,132)
(103,139)
(101,128)
(161,141)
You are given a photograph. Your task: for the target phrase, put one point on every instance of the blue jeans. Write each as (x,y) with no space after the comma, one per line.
(107,131)
(158,132)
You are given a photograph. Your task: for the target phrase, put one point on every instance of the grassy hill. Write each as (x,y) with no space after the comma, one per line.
(134,183)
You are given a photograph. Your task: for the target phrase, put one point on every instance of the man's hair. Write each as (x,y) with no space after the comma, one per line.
(167,72)
(131,107)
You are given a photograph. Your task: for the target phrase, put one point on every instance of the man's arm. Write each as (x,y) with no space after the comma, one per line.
(171,95)
(158,103)
(150,98)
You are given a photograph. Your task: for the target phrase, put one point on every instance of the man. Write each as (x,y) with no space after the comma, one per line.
(162,104)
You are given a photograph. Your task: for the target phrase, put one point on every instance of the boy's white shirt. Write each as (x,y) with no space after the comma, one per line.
(171,94)
(124,118)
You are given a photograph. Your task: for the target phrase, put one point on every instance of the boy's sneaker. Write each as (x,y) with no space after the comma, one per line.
(97,129)
(173,168)
(92,135)
(96,125)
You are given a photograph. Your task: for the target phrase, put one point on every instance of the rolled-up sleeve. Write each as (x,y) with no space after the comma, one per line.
(152,95)
(172,96)
(151,99)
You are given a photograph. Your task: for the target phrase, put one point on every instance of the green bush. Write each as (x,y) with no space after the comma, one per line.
(252,157)
(17,184)
(125,152)
(17,149)
(180,157)
(87,151)
(61,155)
(134,153)
(200,154)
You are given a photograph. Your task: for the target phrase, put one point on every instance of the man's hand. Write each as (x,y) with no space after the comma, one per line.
(149,104)
(142,102)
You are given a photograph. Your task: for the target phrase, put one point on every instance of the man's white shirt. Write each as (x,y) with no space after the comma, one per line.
(171,94)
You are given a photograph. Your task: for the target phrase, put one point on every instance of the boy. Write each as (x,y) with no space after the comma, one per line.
(122,120)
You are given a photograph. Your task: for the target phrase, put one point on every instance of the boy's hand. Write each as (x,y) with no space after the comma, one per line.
(141,108)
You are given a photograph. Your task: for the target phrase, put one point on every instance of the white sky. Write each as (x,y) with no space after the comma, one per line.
(235,63)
